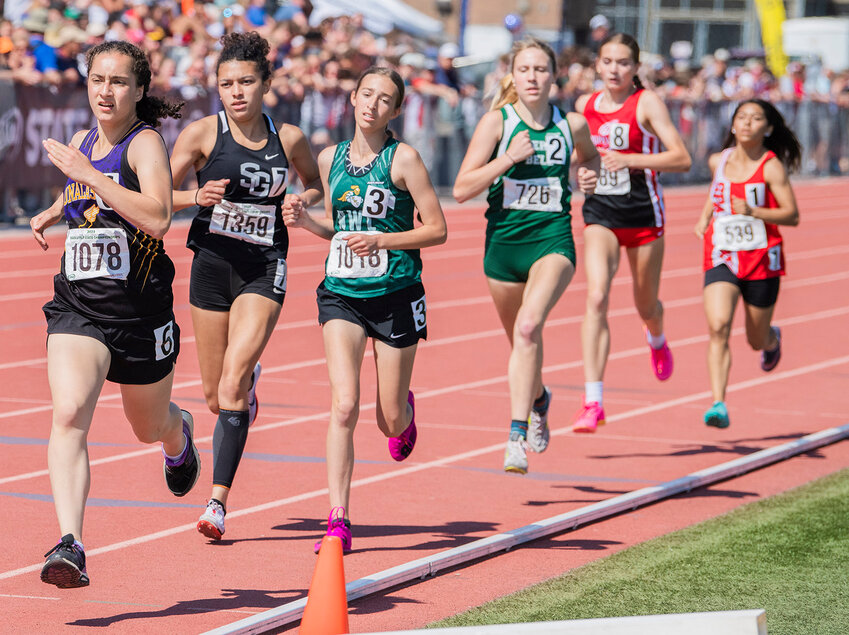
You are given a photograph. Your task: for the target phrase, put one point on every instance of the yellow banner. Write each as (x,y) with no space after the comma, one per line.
(771,14)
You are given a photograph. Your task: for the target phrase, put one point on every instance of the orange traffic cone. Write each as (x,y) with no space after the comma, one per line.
(326,612)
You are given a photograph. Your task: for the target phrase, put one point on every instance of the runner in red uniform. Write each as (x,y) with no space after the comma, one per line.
(628,126)
(743,256)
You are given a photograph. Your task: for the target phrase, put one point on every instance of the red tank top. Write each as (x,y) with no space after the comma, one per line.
(749,247)
(627,198)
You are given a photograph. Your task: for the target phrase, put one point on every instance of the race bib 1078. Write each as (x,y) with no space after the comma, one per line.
(97,252)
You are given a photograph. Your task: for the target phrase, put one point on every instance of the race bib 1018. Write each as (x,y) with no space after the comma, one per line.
(342,262)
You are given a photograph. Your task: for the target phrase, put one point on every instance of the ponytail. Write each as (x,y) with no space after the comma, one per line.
(505,94)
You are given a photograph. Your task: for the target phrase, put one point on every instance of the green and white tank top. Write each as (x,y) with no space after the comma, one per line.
(365,200)
(531,200)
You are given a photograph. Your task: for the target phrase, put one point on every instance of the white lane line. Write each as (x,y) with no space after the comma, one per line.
(442,462)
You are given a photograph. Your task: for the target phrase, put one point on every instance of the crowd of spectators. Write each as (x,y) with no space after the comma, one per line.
(316,65)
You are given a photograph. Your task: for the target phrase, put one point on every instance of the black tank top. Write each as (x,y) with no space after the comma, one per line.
(247,225)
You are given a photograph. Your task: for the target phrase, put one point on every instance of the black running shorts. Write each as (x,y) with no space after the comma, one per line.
(759,293)
(143,351)
(399,318)
(216,282)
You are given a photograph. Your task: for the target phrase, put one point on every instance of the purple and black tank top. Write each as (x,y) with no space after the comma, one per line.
(111,271)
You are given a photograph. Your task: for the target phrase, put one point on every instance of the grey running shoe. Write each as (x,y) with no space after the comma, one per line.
(538,432)
(515,456)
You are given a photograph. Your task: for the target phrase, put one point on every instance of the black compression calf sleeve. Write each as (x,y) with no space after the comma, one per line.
(228,444)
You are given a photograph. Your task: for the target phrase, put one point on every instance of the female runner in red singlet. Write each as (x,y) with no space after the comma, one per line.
(743,256)
(628,126)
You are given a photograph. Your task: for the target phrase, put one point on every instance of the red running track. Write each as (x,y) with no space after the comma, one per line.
(152,572)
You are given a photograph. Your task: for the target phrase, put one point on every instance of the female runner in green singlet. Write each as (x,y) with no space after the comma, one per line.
(521,152)
(372,289)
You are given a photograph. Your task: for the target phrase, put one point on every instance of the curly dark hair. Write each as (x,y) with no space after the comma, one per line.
(245,47)
(149,109)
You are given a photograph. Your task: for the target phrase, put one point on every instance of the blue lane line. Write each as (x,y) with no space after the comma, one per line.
(104,502)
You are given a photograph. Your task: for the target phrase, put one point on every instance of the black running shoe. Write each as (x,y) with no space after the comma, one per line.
(182,478)
(65,565)
(769,359)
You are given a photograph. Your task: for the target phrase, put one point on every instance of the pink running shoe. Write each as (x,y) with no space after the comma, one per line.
(337,526)
(590,418)
(661,362)
(400,447)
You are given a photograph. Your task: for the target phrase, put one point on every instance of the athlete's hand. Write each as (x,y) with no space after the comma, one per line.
(41,222)
(701,226)
(292,210)
(363,245)
(211,193)
(612,160)
(587,180)
(73,163)
(520,147)
(740,206)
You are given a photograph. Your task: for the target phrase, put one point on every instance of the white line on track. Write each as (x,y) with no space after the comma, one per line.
(448,460)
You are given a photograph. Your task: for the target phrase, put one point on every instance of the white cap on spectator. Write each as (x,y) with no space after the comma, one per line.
(96,29)
(416,60)
(449,50)
(598,21)
(722,55)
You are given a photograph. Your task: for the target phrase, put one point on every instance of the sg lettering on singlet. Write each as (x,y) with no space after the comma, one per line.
(377,202)
(97,253)
(244,221)
(537,195)
(164,337)
(736,232)
(344,263)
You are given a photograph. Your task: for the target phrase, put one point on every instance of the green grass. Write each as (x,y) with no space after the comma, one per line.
(788,554)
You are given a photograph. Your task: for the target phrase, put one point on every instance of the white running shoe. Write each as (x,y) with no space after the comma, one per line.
(211,522)
(515,456)
(253,404)
(538,432)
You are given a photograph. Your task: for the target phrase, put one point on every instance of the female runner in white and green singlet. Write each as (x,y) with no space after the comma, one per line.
(521,152)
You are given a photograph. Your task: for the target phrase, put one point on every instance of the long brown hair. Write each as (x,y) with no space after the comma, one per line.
(506,93)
